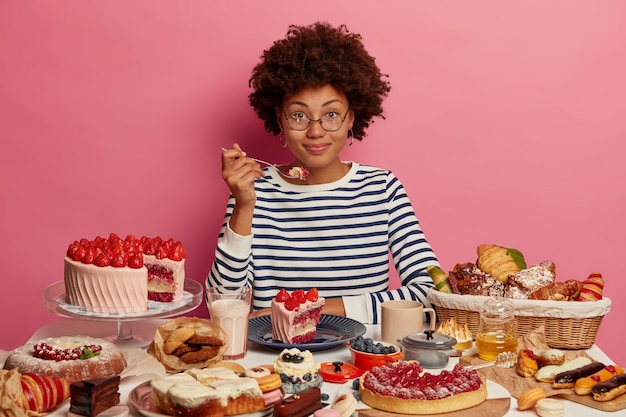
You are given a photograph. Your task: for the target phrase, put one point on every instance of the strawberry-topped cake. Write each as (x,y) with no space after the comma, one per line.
(118,276)
(404,388)
(295,316)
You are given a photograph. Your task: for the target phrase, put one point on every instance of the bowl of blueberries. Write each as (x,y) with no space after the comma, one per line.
(367,353)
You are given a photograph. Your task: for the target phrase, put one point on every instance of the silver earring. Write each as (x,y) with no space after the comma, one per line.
(281,138)
(351,136)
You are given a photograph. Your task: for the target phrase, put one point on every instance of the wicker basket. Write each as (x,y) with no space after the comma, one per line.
(568,325)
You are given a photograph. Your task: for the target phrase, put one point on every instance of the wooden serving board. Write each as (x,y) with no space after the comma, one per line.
(615,404)
(496,407)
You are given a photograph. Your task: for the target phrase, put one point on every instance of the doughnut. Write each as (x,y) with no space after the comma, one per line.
(528,400)
(550,407)
(257,372)
(269,382)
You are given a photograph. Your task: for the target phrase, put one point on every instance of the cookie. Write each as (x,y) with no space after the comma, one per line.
(201,355)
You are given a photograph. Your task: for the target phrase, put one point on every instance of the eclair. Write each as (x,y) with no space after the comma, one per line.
(610,389)
(567,379)
(547,373)
(584,385)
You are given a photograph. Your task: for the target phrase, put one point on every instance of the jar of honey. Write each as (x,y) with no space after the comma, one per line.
(497,331)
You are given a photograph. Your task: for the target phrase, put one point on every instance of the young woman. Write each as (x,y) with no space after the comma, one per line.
(318,89)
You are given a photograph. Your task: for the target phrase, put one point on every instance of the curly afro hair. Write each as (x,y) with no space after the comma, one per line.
(319,55)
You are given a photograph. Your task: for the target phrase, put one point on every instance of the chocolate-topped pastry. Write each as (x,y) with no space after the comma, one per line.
(468,279)
(92,397)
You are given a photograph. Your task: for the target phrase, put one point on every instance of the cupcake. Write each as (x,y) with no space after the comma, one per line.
(297,369)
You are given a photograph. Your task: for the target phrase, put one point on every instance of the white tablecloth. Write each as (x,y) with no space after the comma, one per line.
(259,355)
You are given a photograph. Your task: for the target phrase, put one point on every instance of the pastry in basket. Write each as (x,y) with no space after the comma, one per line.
(440,278)
(521,284)
(592,288)
(468,279)
(499,262)
(30,394)
(402,387)
(558,291)
(71,357)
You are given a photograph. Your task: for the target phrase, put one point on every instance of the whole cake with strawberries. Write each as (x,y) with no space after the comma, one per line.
(295,316)
(119,276)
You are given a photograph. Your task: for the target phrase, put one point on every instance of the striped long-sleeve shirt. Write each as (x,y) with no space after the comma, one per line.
(336,237)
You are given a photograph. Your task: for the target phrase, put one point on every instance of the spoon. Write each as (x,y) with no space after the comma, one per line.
(301,170)
(503,360)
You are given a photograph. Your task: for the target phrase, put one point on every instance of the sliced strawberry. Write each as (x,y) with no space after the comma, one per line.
(282,296)
(312,294)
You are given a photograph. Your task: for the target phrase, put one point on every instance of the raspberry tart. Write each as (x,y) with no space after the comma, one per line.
(118,276)
(74,358)
(295,316)
(403,388)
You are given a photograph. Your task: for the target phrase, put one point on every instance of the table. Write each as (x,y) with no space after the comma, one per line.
(258,355)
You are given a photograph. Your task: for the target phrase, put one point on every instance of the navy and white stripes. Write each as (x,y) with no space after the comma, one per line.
(336,237)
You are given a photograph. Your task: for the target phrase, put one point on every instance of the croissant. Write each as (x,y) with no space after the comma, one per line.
(558,291)
(30,393)
(592,288)
(440,278)
(499,262)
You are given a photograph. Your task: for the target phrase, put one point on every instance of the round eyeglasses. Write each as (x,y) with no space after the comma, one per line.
(330,122)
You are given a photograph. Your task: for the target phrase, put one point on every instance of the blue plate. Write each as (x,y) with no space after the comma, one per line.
(332,331)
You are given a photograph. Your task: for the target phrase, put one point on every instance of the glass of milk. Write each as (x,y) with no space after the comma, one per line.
(229,308)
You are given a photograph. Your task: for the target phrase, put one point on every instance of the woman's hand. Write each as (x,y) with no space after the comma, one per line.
(239,173)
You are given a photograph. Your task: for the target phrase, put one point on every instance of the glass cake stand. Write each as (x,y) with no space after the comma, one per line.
(56,302)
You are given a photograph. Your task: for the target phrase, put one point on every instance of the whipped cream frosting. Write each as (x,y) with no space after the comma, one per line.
(196,386)
(106,289)
(284,324)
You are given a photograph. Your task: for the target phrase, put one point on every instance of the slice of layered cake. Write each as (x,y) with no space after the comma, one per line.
(91,397)
(295,316)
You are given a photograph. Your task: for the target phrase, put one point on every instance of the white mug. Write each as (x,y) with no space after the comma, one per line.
(403,317)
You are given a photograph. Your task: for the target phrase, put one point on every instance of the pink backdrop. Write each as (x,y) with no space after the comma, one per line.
(505,122)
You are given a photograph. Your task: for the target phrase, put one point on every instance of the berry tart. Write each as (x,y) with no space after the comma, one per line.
(403,388)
